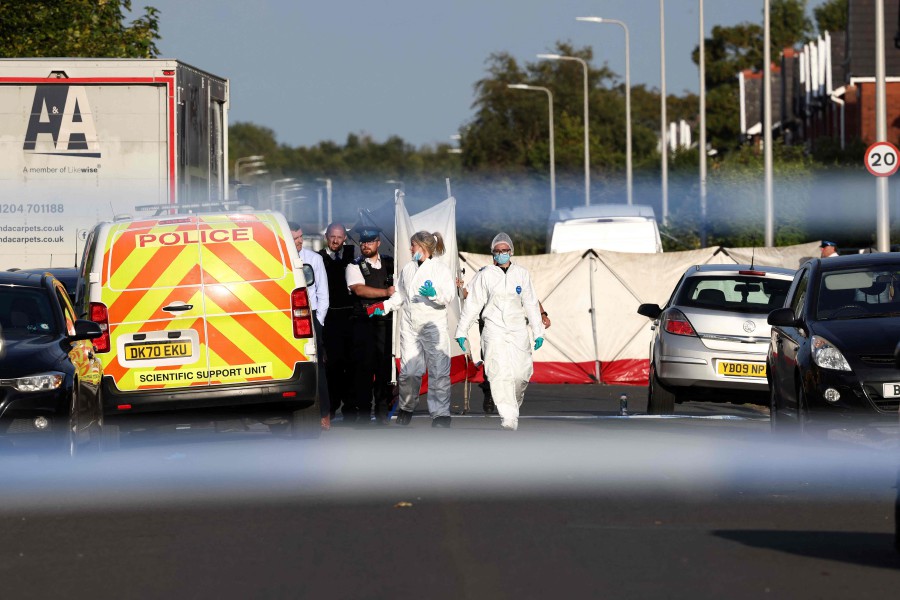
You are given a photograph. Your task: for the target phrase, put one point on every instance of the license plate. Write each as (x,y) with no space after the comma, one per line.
(890,390)
(153,350)
(741,369)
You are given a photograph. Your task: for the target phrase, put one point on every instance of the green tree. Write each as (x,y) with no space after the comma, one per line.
(831,16)
(509,130)
(76,28)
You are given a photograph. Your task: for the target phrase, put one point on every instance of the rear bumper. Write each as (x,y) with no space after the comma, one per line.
(696,371)
(295,393)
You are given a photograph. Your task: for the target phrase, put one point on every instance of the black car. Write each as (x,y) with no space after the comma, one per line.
(68,276)
(49,375)
(831,355)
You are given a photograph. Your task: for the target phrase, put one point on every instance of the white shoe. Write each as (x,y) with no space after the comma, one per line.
(510,424)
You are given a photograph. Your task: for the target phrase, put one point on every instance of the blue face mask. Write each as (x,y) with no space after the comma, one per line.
(417,256)
(502,259)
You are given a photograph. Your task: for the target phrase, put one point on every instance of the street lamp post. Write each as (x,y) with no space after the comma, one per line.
(278,183)
(767,126)
(663,126)
(327,182)
(247,161)
(587,149)
(286,202)
(522,86)
(702,139)
(629,180)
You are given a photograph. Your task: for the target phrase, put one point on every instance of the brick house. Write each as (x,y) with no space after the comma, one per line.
(826,88)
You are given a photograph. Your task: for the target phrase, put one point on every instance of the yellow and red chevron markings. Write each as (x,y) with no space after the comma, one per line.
(235,271)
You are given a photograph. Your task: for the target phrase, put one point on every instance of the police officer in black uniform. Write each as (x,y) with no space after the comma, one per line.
(370,279)
(338,333)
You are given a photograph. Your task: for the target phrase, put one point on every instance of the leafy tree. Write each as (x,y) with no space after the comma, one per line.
(78,28)
(831,16)
(509,130)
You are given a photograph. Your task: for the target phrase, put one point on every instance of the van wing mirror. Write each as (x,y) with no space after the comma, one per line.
(783,317)
(650,310)
(309,275)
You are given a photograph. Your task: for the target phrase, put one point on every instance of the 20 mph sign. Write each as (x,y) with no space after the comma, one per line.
(882,159)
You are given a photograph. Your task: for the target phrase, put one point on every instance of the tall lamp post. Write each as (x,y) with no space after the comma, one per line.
(522,86)
(702,141)
(663,125)
(274,186)
(245,162)
(767,125)
(587,148)
(327,182)
(624,27)
(287,207)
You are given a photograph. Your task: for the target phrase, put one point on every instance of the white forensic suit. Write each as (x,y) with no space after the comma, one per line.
(424,334)
(507,297)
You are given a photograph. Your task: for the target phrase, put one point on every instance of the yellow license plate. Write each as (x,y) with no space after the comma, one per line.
(741,369)
(152,350)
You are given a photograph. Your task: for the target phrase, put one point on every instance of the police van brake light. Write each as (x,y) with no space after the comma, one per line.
(100,315)
(301,315)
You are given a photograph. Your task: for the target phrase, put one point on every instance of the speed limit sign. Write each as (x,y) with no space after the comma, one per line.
(882,159)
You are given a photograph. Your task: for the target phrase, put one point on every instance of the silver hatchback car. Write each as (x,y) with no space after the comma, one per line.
(710,340)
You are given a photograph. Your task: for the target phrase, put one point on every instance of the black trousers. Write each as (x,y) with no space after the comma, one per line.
(321,360)
(339,357)
(372,367)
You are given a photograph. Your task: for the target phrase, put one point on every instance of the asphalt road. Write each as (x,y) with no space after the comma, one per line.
(580,502)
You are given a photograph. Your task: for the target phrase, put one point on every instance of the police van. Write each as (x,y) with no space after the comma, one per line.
(202,312)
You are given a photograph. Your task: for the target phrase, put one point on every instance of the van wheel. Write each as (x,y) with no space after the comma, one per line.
(660,401)
(305,423)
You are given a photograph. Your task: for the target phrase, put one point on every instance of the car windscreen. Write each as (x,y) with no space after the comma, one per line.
(25,312)
(733,293)
(859,293)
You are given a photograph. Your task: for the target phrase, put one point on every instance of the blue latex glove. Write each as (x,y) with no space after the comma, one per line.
(377,313)
(428,290)
(538,343)
(462,343)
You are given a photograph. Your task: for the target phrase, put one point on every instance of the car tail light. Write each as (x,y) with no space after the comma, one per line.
(301,314)
(756,273)
(100,316)
(676,323)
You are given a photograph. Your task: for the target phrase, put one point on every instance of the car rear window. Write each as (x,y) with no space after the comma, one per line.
(25,311)
(734,293)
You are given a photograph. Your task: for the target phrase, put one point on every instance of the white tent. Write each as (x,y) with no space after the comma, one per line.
(592,298)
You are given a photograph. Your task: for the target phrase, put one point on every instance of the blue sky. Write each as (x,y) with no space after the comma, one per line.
(315,70)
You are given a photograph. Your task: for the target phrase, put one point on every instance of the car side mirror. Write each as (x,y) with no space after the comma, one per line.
(309,274)
(783,317)
(85,330)
(650,310)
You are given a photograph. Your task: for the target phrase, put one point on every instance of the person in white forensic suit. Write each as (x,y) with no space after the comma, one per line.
(424,289)
(504,295)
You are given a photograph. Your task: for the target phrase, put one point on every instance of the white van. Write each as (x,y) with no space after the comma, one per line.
(616,227)
(202,312)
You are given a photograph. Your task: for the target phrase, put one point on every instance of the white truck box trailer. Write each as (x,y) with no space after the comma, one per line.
(84,140)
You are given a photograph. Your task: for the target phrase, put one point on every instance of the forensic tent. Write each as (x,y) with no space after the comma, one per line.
(591,297)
